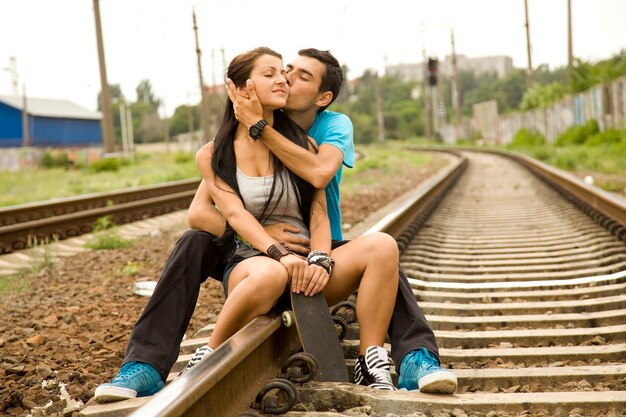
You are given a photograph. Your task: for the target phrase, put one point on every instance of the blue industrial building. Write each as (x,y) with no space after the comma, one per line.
(57,123)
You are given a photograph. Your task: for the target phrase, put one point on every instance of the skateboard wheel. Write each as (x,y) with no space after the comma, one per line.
(287,318)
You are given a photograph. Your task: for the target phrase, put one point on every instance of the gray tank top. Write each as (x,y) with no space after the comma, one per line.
(255,192)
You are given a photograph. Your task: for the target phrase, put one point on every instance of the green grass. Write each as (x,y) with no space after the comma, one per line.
(41,253)
(13,284)
(106,236)
(132,268)
(30,184)
(41,256)
(381,160)
(33,185)
(606,159)
(578,149)
(109,239)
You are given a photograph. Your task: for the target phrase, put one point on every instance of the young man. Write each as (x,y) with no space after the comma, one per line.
(315,79)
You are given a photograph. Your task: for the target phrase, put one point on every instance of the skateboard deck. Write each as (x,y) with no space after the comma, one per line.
(318,336)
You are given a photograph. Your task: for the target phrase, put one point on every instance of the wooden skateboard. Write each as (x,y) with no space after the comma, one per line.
(318,336)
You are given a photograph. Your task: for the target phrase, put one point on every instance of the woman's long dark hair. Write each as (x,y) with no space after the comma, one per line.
(224,163)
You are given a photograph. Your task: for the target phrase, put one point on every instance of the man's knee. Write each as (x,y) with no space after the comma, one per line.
(200,252)
(198,238)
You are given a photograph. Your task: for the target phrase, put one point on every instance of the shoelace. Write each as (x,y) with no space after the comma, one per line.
(126,374)
(198,355)
(382,376)
(428,362)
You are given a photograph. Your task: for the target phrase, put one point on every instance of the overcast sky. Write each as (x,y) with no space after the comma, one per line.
(55,45)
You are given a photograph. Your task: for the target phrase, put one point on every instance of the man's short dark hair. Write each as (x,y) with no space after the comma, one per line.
(332,80)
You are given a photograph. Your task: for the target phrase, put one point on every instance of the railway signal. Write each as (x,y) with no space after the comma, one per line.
(433,65)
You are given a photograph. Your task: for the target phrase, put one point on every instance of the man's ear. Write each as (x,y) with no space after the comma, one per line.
(324,99)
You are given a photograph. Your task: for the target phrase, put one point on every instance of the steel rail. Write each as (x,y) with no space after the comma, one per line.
(209,381)
(603,207)
(225,384)
(70,217)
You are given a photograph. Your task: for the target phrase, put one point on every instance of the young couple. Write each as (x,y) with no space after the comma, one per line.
(267,177)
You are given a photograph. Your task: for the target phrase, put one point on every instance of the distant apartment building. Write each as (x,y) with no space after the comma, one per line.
(500,65)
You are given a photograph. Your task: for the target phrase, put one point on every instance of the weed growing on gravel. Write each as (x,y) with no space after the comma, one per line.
(41,253)
(16,283)
(107,236)
(132,268)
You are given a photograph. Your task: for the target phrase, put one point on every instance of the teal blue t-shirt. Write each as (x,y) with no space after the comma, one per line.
(334,129)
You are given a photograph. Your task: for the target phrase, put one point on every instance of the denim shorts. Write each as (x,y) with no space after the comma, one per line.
(283,302)
(228,269)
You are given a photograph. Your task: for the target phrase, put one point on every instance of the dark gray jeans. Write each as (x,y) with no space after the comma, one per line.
(156,337)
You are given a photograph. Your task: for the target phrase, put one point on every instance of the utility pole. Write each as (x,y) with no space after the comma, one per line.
(456,89)
(12,68)
(204,113)
(425,95)
(129,127)
(380,120)
(105,95)
(125,146)
(166,128)
(435,109)
(25,126)
(189,118)
(570,47)
(529,73)
(441,107)
(213,77)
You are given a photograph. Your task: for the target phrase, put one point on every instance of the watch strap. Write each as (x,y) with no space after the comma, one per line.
(256,129)
(278,250)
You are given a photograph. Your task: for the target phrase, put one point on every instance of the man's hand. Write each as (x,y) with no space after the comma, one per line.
(315,279)
(284,232)
(248,110)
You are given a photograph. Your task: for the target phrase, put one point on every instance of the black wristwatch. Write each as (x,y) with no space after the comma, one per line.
(256,129)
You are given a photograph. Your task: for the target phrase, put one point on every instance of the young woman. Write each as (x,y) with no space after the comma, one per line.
(253,188)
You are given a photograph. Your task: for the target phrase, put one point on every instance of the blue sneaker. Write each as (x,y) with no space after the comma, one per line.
(134,379)
(420,369)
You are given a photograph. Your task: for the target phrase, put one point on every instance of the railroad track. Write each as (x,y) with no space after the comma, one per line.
(68,217)
(523,282)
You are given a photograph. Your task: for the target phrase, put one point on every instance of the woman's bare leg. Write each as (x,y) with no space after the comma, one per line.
(369,264)
(254,286)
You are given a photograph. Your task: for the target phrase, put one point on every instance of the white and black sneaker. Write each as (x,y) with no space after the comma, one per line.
(200,353)
(373,369)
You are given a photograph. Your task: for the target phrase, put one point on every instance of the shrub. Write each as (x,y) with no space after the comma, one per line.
(566,160)
(525,137)
(541,153)
(607,137)
(183,157)
(108,164)
(577,135)
(55,159)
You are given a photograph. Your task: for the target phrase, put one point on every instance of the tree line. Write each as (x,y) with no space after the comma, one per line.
(402,109)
